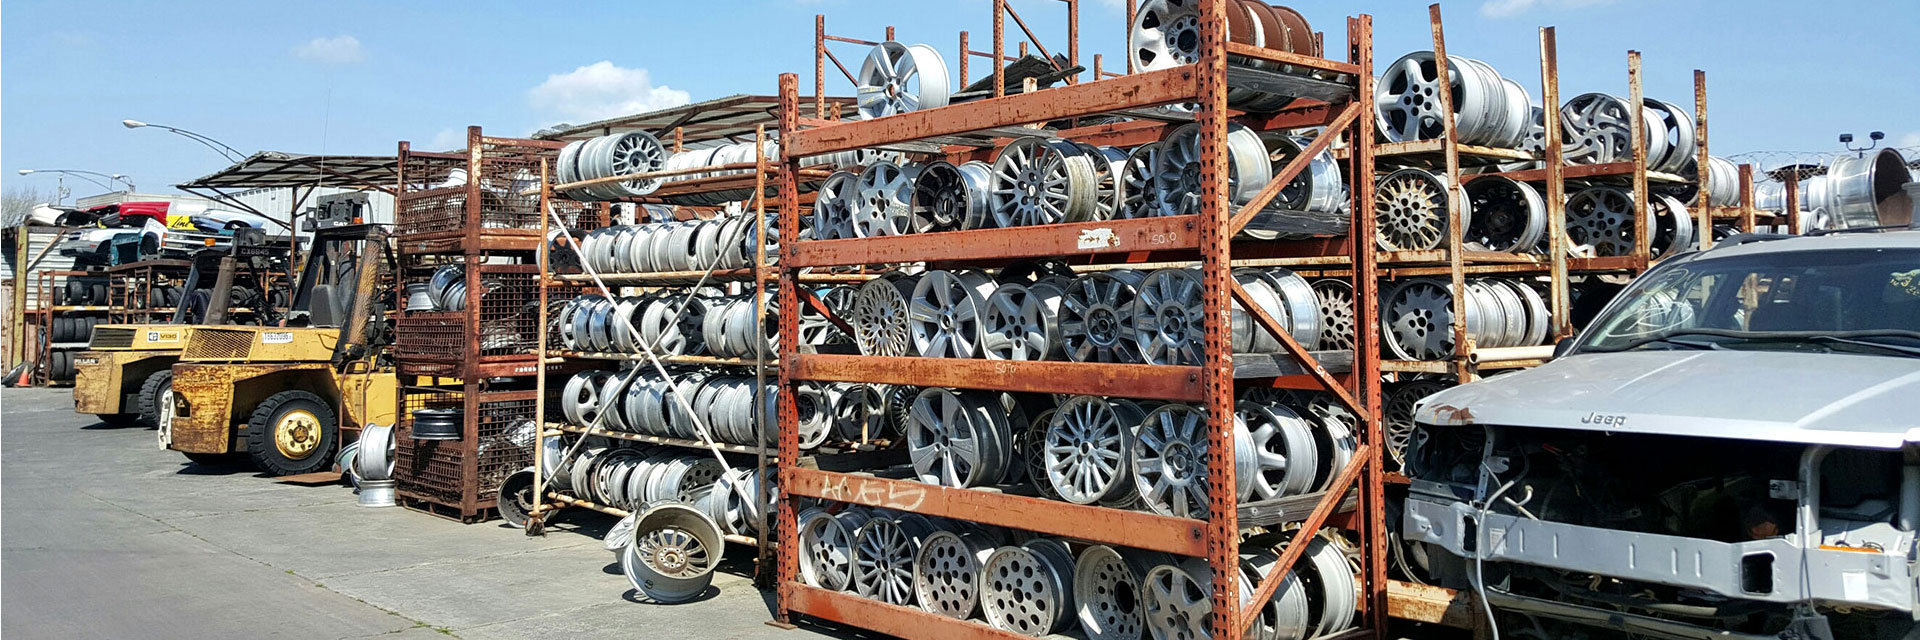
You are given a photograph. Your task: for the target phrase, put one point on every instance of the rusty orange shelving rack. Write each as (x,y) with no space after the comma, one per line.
(1206,239)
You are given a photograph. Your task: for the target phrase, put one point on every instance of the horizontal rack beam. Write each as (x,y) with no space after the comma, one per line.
(891,619)
(652,439)
(1144,89)
(636,357)
(1044,241)
(690,277)
(1137,529)
(1181,384)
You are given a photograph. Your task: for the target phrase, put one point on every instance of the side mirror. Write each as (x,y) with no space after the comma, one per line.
(1563,347)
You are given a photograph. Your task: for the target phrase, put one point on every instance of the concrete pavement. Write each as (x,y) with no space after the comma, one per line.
(103,535)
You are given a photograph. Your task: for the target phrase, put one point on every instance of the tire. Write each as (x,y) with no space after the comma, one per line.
(120,419)
(291,433)
(61,367)
(160,382)
(197,303)
(76,292)
(99,293)
(210,459)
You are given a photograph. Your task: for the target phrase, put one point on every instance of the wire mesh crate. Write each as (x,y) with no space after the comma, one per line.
(458,478)
(490,188)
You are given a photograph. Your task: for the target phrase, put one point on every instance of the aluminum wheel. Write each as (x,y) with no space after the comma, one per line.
(879,317)
(1419,320)
(1139,197)
(1332,587)
(1169,460)
(834,205)
(1410,208)
(1598,129)
(675,550)
(1672,226)
(826,545)
(954,440)
(1508,215)
(860,414)
(1106,590)
(898,78)
(1397,416)
(1167,318)
(1087,447)
(1681,149)
(1022,323)
(1316,190)
(1177,176)
(1177,599)
(880,200)
(1601,220)
(884,549)
(946,572)
(1288,616)
(1407,106)
(1283,444)
(1041,181)
(945,313)
(1096,317)
(815,329)
(1164,34)
(1335,297)
(948,197)
(1028,589)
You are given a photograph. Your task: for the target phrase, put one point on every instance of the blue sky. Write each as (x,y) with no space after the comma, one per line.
(354,76)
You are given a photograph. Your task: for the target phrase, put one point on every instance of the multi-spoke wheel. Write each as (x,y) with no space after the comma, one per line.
(945,313)
(1601,220)
(1087,447)
(879,317)
(881,195)
(958,438)
(1096,317)
(1410,208)
(897,78)
(884,549)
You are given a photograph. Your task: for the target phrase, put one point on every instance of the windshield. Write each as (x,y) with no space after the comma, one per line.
(1855,300)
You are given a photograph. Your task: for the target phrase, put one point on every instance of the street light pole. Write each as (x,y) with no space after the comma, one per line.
(222,148)
(83,175)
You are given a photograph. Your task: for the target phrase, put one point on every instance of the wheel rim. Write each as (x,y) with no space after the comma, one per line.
(879,317)
(880,205)
(1419,317)
(1177,600)
(1022,323)
(833,206)
(1335,299)
(1164,34)
(827,542)
(1096,317)
(897,78)
(1034,184)
(297,434)
(1508,215)
(1410,208)
(883,561)
(1169,460)
(1601,219)
(945,313)
(1165,325)
(1087,446)
(1106,594)
(1024,589)
(1598,127)
(952,440)
(946,573)
(1284,448)
(1139,197)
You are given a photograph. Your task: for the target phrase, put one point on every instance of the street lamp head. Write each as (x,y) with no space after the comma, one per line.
(133,124)
(25,171)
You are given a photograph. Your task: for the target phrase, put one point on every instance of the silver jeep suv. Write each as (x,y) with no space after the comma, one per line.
(1731,449)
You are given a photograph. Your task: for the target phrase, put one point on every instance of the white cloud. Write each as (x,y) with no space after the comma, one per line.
(448,140)
(602,90)
(340,49)
(1511,8)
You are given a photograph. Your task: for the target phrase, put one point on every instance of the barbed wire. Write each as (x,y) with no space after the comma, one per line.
(1807,164)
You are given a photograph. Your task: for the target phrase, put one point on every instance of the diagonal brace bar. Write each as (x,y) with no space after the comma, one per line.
(1297,546)
(1293,348)
(1293,169)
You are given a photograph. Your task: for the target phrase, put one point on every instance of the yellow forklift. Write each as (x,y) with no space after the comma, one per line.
(287,397)
(126,374)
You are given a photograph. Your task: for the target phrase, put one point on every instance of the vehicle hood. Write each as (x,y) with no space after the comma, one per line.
(1839,399)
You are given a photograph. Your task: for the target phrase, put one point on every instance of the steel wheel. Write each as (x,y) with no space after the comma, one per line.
(953,441)
(1169,460)
(1411,210)
(1167,318)
(1509,215)
(879,317)
(897,78)
(815,415)
(946,572)
(945,313)
(1087,447)
(880,200)
(1096,317)
(1335,297)
(1027,589)
(1022,323)
(1601,219)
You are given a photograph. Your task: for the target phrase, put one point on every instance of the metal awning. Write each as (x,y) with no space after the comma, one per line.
(729,119)
(274,169)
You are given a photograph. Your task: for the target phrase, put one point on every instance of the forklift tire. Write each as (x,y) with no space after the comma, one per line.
(120,419)
(161,382)
(291,433)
